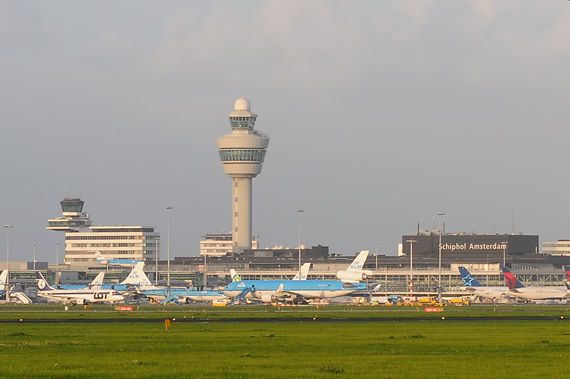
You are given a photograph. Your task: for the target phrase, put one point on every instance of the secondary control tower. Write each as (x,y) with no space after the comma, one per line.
(242,152)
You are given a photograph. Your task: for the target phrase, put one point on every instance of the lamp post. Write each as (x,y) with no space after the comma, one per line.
(156,239)
(504,253)
(57,263)
(411,241)
(34,246)
(439,289)
(376,254)
(168,209)
(7,286)
(299,211)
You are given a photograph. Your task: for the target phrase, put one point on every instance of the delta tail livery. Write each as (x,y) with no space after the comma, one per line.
(81,296)
(354,273)
(473,287)
(517,289)
(116,262)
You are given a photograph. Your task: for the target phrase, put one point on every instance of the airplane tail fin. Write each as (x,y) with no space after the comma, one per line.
(42,282)
(358,262)
(3,277)
(137,276)
(468,279)
(302,275)
(98,256)
(234,275)
(98,281)
(511,279)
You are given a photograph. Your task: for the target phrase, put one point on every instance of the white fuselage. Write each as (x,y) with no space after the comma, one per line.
(486,292)
(82,296)
(539,293)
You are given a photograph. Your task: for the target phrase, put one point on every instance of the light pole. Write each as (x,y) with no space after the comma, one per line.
(7,286)
(34,246)
(439,289)
(504,253)
(376,254)
(168,209)
(156,261)
(57,263)
(411,241)
(299,211)
(205,271)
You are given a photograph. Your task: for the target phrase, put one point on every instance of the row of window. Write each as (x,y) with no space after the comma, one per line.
(242,155)
(71,237)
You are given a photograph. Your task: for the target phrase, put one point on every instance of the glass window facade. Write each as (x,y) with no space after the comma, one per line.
(242,123)
(242,155)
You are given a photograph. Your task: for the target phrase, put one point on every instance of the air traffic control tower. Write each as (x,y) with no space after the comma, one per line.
(242,152)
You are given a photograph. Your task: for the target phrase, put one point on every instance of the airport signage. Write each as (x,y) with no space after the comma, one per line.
(472,246)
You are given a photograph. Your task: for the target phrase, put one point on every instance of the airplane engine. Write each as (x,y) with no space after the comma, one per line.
(351,276)
(267,298)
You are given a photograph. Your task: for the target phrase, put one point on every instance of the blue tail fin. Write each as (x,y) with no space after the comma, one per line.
(468,279)
(512,281)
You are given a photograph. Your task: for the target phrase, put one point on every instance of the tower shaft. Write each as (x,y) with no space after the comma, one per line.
(242,216)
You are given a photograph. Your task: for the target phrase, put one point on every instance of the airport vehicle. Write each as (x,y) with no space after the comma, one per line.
(354,273)
(271,291)
(78,296)
(517,289)
(116,262)
(473,287)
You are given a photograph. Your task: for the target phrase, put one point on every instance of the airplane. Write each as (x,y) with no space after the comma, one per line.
(97,283)
(517,289)
(354,272)
(303,273)
(269,291)
(471,285)
(116,262)
(138,278)
(79,296)
(3,277)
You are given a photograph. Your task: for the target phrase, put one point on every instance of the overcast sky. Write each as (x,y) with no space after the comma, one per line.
(381,114)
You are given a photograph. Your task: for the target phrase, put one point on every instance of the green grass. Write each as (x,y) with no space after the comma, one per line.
(400,343)
(209,313)
(303,347)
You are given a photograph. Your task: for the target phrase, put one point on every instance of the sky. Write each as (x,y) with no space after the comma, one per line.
(381,114)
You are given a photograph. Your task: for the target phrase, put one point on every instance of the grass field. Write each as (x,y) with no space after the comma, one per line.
(303,348)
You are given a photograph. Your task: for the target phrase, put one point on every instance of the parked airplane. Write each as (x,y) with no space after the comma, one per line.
(354,272)
(97,283)
(472,286)
(269,291)
(138,278)
(80,296)
(517,289)
(116,262)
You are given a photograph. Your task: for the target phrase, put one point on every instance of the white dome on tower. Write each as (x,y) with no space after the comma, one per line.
(242,104)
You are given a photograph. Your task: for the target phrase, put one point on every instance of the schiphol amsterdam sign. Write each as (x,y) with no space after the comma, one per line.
(473,246)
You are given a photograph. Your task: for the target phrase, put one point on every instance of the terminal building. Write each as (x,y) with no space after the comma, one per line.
(467,248)
(83,241)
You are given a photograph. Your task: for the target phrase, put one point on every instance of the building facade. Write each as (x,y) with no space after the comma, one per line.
(557,248)
(220,244)
(113,242)
(83,241)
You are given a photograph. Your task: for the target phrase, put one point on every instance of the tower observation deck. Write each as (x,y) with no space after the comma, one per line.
(242,153)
